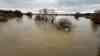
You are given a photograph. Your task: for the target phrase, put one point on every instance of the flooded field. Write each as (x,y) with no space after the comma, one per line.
(25,37)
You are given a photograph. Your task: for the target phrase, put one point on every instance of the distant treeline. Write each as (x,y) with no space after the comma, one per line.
(18,13)
(95,17)
(15,13)
(10,13)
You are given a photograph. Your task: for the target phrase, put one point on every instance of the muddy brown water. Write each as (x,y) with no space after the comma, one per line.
(25,37)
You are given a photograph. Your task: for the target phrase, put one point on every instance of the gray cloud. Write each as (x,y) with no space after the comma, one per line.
(78,2)
(46,3)
(73,5)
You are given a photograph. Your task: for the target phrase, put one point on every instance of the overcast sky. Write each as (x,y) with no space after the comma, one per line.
(69,5)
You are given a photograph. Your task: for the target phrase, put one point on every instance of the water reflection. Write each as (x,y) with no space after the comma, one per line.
(98,52)
(19,20)
(97,30)
(30,17)
(3,20)
(95,27)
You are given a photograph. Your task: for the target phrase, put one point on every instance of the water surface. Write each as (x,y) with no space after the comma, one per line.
(25,37)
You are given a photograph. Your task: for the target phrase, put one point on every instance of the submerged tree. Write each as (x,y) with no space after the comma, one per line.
(77,15)
(96,17)
(29,13)
(97,11)
(18,13)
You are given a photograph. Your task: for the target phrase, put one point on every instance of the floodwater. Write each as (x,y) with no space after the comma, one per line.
(25,37)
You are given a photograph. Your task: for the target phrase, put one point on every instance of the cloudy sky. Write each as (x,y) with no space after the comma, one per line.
(68,5)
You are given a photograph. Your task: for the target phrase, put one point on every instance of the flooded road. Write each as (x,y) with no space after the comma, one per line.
(25,37)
